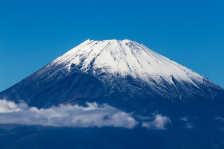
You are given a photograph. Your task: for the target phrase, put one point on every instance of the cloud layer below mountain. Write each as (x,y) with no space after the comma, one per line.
(93,115)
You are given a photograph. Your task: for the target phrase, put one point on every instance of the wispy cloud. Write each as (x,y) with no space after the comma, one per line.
(158,123)
(219,118)
(185,119)
(93,115)
(190,125)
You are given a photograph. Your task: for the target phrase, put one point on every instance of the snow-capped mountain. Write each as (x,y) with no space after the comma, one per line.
(110,68)
(130,77)
(124,58)
(113,59)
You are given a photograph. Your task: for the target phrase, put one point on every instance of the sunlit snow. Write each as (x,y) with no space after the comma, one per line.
(126,57)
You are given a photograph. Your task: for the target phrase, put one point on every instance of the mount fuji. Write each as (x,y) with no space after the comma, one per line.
(128,76)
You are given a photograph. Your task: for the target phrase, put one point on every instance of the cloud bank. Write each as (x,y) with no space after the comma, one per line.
(159,122)
(93,115)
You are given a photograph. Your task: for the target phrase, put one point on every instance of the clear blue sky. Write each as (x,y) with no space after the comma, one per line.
(35,32)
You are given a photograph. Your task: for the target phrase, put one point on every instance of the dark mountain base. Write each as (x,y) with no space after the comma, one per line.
(103,138)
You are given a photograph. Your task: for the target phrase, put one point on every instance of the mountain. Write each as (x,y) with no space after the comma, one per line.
(129,76)
(110,68)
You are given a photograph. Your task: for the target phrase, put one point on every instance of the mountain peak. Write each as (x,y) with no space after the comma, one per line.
(111,40)
(124,57)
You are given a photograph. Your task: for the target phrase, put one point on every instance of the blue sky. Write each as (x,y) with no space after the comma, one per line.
(33,33)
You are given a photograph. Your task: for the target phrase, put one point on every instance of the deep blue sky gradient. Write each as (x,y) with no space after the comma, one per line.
(33,33)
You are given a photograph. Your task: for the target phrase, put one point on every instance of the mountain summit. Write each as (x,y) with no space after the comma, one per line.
(124,58)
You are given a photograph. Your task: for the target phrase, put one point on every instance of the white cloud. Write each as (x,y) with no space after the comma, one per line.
(92,115)
(9,106)
(185,119)
(219,118)
(159,122)
(143,117)
(190,125)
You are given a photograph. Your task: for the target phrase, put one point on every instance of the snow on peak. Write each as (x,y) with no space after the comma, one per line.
(125,57)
